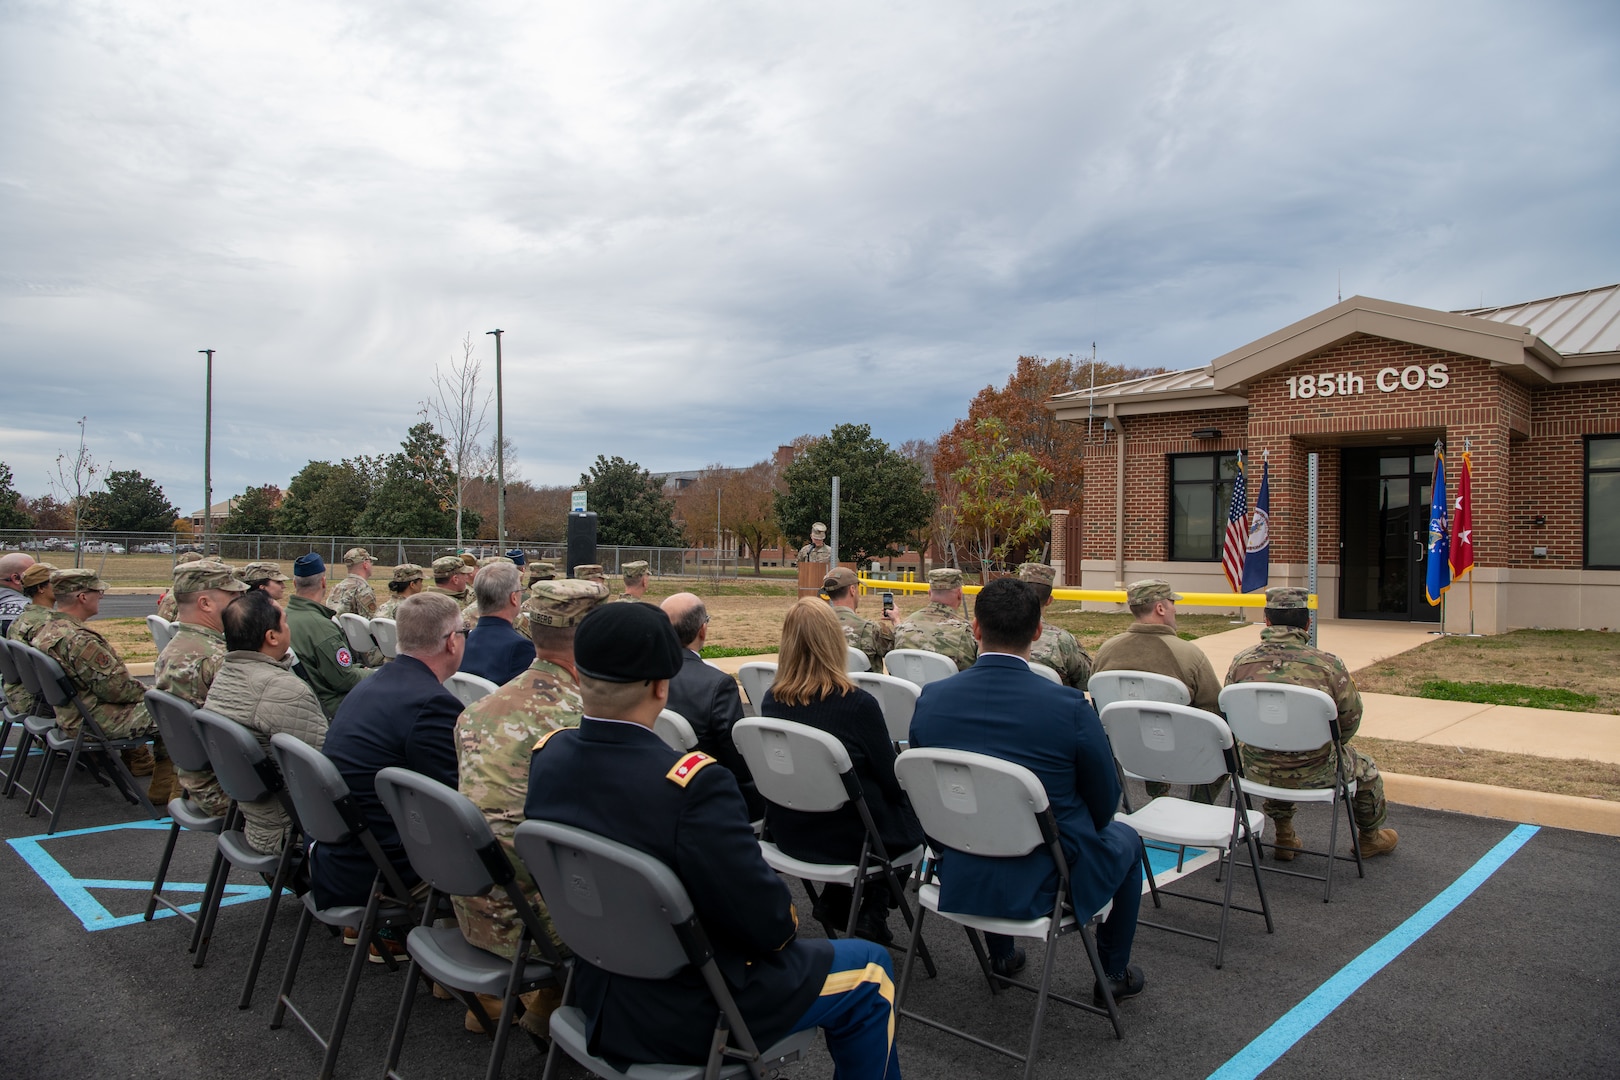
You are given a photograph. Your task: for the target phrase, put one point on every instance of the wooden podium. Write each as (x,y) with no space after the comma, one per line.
(812,574)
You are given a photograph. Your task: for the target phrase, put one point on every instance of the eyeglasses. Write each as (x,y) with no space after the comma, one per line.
(463,632)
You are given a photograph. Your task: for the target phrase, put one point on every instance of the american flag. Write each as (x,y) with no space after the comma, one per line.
(1237,531)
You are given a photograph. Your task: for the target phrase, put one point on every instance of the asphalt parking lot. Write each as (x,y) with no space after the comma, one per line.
(1519,978)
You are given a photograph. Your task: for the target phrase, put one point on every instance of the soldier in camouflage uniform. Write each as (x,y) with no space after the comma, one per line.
(168,606)
(1285,655)
(408,580)
(354,593)
(41,595)
(589,571)
(816,550)
(188,664)
(494,738)
(940,627)
(265,576)
(452,576)
(874,639)
(1056,647)
(110,694)
(635,581)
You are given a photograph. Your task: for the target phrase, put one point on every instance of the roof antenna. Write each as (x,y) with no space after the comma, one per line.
(1091,405)
(1341,285)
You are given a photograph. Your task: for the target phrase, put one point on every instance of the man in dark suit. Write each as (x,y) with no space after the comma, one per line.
(706,696)
(495,650)
(613,776)
(1001,708)
(405,717)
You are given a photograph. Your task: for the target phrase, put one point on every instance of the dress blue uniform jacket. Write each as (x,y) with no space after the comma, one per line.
(496,651)
(619,780)
(401,716)
(1001,708)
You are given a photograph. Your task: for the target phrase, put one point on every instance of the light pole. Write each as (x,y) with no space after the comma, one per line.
(500,451)
(208,450)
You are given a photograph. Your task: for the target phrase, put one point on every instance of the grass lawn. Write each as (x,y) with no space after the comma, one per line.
(1546,669)
(1559,776)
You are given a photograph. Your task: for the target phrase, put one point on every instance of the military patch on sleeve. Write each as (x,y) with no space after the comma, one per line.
(344,657)
(542,740)
(687,767)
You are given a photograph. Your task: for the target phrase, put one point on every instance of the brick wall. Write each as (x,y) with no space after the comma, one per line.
(1548,473)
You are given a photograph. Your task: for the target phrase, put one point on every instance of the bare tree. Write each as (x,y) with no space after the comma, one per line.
(75,478)
(460,408)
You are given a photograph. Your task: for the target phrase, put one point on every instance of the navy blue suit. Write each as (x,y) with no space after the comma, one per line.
(709,700)
(1001,708)
(401,716)
(496,651)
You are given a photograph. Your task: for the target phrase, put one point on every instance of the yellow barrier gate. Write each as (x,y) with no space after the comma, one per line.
(1100,596)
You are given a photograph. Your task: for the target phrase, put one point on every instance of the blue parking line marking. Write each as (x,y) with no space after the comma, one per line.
(75,892)
(1298,1022)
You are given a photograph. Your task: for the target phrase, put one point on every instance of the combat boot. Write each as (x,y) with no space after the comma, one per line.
(138,760)
(1377,842)
(164,786)
(1287,841)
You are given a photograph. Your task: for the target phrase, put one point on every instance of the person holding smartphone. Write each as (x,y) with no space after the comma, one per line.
(874,637)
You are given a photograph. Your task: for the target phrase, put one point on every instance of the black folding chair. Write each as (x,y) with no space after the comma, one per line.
(329,815)
(628,914)
(177,725)
(451,847)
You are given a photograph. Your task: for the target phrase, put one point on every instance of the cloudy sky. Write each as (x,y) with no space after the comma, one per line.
(707,228)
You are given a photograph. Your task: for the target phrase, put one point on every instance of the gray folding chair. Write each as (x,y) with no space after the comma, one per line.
(756,678)
(676,731)
(856,660)
(1296,719)
(803,768)
(385,632)
(247,775)
(1178,744)
(9,678)
(451,847)
(162,631)
(328,814)
(469,687)
(629,915)
(995,809)
(357,629)
(176,723)
(919,666)
(17,670)
(897,698)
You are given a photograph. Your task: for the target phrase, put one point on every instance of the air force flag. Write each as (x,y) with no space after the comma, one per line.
(1439,578)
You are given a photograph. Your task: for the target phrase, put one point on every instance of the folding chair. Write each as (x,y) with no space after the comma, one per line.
(1107,687)
(676,731)
(34,728)
(896,697)
(1178,744)
(995,809)
(1296,719)
(329,815)
(451,847)
(469,687)
(162,631)
(177,725)
(756,678)
(919,666)
(803,768)
(629,915)
(58,691)
(357,629)
(9,678)
(857,660)
(247,775)
(385,632)
(1048,673)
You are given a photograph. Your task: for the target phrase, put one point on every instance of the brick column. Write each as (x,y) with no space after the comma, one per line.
(1060,545)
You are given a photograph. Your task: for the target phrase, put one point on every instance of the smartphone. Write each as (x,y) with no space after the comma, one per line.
(888,601)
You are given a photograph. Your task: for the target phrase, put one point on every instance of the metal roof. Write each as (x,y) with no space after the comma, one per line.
(1199,378)
(1572,324)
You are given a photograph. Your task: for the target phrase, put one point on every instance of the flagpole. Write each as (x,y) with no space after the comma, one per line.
(1468,464)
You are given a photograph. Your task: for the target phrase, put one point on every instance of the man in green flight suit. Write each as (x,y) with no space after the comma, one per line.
(324,658)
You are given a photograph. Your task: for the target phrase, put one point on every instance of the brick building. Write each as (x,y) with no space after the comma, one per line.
(1533,390)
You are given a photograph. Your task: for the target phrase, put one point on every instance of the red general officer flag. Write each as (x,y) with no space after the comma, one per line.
(1462,522)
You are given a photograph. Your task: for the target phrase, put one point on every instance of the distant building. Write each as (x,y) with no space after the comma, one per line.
(217,513)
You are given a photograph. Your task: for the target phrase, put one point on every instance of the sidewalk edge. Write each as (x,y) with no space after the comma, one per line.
(1508,804)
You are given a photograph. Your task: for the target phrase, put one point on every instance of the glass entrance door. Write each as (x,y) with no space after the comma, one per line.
(1384,528)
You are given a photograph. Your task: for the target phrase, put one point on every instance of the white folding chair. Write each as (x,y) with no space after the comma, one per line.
(995,809)
(385,632)
(1296,719)
(676,731)
(161,630)
(1107,687)
(756,678)
(897,697)
(357,629)
(919,665)
(1048,673)
(1178,744)
(468,687)
(858,661)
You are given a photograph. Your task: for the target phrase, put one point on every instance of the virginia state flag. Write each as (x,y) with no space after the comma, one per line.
(1439,579)
(1257,558)
(1462,521)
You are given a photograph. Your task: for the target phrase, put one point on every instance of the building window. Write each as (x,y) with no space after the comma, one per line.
(1603,502)
(1200,492)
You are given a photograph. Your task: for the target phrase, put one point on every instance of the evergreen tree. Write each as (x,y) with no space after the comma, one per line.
(13,508)
(630,505)
(130,503)
(882,500)
(254,511)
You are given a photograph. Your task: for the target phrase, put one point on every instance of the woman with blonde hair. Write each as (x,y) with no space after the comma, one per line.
(813,688)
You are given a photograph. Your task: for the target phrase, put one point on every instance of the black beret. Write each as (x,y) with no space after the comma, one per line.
(627,643)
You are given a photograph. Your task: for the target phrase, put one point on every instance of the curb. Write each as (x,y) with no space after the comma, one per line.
(1508,804)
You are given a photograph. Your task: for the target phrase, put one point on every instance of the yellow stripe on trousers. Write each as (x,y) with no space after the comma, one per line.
(841,982)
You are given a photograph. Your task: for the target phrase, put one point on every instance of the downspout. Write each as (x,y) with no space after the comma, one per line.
(1119,496)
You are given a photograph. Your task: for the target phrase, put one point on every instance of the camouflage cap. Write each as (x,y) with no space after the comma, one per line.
(634,571)
(188,556)
(946,577)
(1148,591)
(562,602)
(469,560)
(839,577)
(205,575)
(818,529)
(406,573)
(1283,597)
(72,581)
(1036,573)
(542,571)
(488,559)
(589,570)
(255,572)
(357,555)
(445,565)
(38,574)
